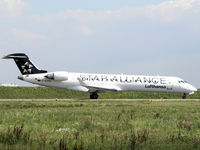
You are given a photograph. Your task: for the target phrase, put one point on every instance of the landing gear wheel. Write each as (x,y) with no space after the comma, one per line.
(184,96)
(94,96)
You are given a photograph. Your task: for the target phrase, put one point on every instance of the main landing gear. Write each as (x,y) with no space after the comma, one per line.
(184,96)
(94,96)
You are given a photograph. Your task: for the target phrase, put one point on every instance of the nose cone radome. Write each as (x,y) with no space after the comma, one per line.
(191,88)
(194,89)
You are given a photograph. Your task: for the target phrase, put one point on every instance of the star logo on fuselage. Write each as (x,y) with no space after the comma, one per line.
(27,67)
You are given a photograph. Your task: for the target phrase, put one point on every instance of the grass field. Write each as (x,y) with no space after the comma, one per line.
(98,125)
(51,93)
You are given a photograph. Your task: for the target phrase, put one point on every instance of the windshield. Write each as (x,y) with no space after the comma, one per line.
(181,81)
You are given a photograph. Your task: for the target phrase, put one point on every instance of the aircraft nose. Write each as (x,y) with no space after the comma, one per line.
(191,88)
(194,89)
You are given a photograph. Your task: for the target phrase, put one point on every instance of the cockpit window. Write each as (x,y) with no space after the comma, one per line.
(181,81)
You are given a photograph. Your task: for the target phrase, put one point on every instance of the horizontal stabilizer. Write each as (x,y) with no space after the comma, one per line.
(16,55)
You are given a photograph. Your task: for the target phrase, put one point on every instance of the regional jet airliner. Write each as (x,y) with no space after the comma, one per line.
(98,83)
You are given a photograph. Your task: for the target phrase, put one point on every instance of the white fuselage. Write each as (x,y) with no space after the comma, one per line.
(85,82)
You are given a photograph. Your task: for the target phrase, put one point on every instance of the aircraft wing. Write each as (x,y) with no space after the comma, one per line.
(94,87)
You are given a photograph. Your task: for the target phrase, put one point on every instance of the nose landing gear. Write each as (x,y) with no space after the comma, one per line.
(184,96)
(94,96)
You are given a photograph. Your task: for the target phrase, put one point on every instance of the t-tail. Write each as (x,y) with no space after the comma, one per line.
(24,64)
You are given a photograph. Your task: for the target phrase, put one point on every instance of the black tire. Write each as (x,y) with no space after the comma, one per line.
(91,96)
(94,96)
(184,96)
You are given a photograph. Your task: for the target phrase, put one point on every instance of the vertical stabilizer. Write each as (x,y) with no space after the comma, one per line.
(24,64)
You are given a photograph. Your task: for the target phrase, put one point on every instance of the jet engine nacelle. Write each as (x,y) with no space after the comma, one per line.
(57,76)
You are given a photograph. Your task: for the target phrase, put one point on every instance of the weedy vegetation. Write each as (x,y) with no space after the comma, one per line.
(98,125)
(51,93)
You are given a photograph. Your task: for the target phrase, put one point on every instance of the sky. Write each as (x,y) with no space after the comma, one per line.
(143,37)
